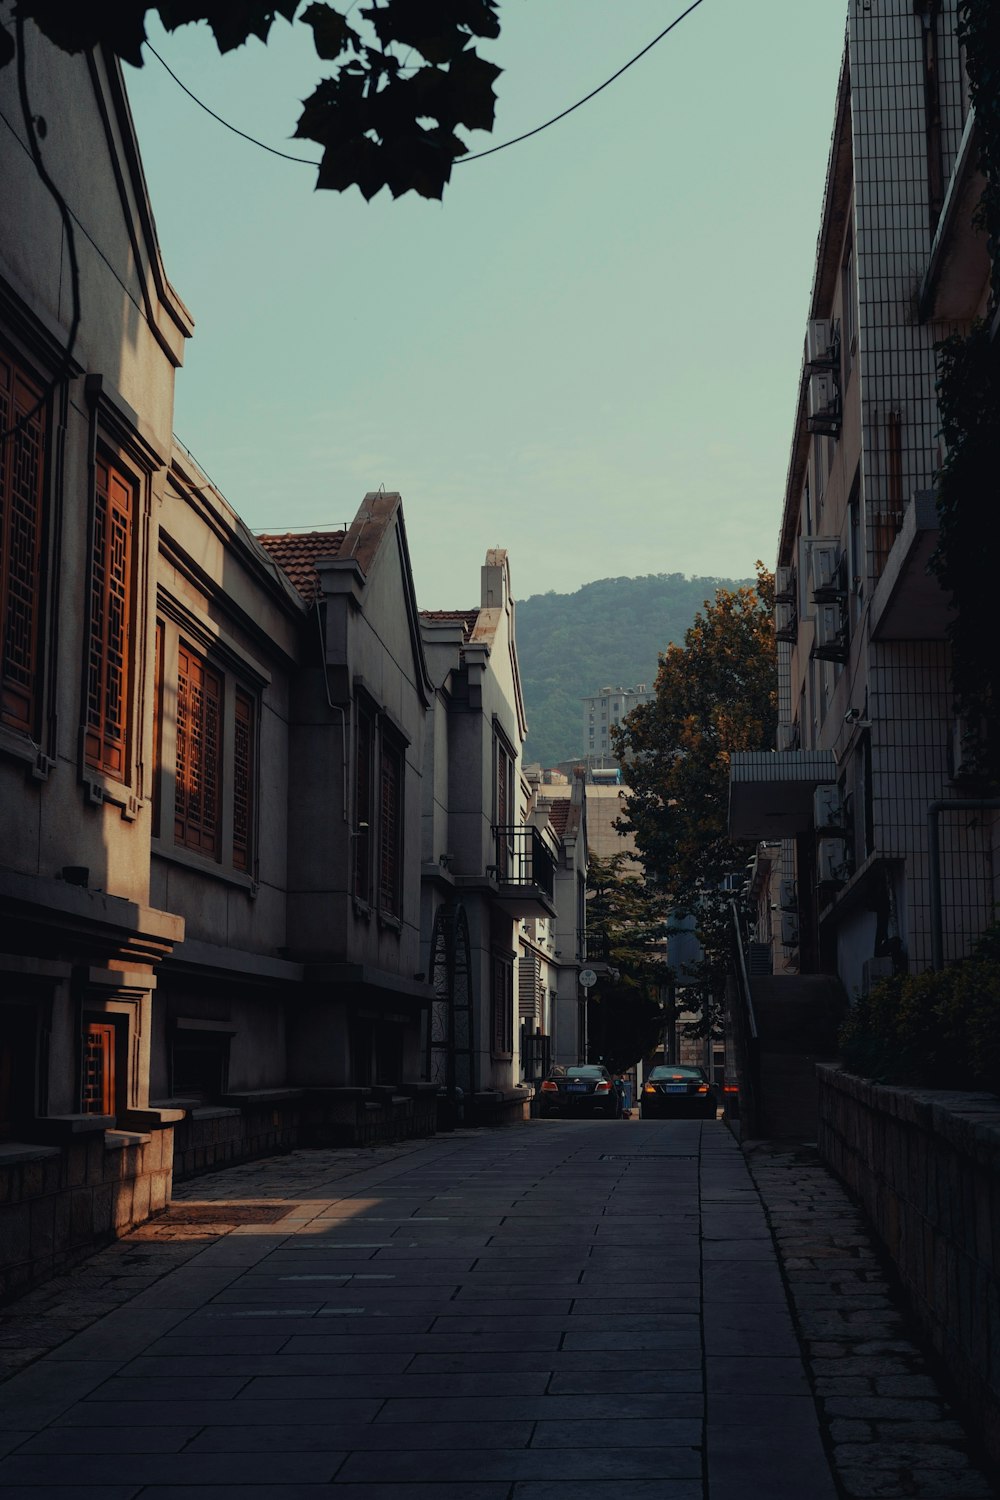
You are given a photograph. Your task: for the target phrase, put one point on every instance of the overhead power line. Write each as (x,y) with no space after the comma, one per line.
(460,160)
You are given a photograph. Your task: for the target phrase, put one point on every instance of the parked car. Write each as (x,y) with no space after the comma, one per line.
(675,1090)
(581,1089)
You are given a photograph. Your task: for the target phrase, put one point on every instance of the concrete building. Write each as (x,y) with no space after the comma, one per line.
(867,737)
(602,712)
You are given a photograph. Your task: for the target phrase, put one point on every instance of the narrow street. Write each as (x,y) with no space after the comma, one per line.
(501,1315)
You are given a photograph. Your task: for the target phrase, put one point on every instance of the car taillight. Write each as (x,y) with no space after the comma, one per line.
(548,1087)
(703,1088)
(603,1088)
(650,1088)
(730,1088)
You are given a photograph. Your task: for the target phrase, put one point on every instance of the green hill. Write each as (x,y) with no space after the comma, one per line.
(611,631)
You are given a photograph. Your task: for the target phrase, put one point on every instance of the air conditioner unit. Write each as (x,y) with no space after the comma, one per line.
(821,345)
(824,568)
(786,737)
(786,623)
(789,929)
(788,896)
(872,970)
(828,810)
(784,585)
(831,633)
(823,404)
(831,861)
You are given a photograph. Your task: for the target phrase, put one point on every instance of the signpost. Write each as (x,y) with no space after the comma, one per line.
(587,978)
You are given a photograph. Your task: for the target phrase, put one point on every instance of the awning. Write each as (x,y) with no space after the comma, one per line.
(771,791)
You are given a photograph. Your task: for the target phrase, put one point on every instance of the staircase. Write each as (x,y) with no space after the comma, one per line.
(798,1016)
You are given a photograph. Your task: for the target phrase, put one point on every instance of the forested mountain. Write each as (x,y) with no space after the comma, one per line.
(608,632)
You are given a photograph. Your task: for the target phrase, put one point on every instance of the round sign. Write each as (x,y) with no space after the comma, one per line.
(587,978)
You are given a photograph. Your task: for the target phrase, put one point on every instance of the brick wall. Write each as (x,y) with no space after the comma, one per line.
(925,1167)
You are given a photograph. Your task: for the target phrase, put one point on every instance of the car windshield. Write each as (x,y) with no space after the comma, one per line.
(678,1072)
(582,1072)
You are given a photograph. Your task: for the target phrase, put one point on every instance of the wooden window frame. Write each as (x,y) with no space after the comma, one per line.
(22,547)
(501,1006)
(244,778)
(98,1066)
(111,667)
(199,764)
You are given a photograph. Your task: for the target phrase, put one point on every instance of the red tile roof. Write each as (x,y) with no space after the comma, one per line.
(559,814)
(466,618)
(296,554)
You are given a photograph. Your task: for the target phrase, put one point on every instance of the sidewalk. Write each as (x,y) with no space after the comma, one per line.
(485,1316)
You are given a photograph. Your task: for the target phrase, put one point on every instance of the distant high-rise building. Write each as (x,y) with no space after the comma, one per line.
(603,710)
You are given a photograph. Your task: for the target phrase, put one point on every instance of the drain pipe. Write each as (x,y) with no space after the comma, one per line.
(934,811)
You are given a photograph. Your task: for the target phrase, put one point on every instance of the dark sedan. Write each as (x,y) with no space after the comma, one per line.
(675,1090)
(585,1089)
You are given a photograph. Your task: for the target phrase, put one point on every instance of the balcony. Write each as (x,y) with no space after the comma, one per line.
(909,602)
(771,792)
(525,871)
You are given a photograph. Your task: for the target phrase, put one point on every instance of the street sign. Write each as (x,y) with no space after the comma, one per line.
(587,978)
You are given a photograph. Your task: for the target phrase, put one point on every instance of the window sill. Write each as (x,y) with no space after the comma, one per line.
(99,788)
(387,921)
(23,748)
(197,862)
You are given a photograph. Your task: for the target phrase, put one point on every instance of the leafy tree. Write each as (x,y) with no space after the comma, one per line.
(380,122)
(626,924)
(714,695)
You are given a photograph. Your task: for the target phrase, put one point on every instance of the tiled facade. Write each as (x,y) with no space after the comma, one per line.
(863,658)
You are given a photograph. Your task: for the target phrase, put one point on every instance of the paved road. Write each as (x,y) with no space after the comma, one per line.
(504,1315)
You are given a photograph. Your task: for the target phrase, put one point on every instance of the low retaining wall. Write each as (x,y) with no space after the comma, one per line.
(59,1201)
(924,1164)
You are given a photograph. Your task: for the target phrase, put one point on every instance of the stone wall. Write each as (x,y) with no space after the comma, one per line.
(925,1167)
(57,1202)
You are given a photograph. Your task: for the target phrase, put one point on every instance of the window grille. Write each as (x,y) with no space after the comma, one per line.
(243,781)
(502,1006)
(199,754)
(98,1086)
(157,728)
(108,668)
(364,812)
(22,468)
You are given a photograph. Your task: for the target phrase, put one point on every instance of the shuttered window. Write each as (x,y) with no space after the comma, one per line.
(22,472)
(109,667)
(199,754)
(390,829)
(243,781)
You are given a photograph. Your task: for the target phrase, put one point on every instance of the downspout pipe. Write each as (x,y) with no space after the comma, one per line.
(934,811)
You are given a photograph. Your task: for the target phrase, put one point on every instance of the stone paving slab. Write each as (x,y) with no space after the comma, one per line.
(501,1315)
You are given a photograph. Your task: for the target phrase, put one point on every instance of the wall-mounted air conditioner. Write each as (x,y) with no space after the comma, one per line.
(824,569)
(828,810)
(788,895)
(821,345)
(784,585)
(823,404)
(786,737)
(789,929)
(831,633)
(786,623)
(831,861)
(872,970)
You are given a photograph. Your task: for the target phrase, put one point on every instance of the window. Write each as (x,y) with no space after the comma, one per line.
(364,809)
(390,829)
(157,728)
(98,1082)
(22,475)
(199,1065)
(109,665)
(243,780)
(501,1006)
(199,754)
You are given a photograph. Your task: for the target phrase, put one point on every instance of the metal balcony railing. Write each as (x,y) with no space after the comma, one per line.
(522,858)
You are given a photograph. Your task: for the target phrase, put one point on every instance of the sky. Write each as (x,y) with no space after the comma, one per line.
(588,353)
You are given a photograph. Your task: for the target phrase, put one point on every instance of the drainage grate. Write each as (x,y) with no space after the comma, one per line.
(225,1213)
(637,1157)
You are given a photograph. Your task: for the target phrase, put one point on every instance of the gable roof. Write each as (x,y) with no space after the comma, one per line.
(296,555)
(465,617)
(559,815)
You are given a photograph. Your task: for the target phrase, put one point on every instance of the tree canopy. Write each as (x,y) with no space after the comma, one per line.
(714,695)
(626,926)
(406,73)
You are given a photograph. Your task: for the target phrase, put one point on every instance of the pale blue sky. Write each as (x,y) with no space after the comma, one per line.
(587,354)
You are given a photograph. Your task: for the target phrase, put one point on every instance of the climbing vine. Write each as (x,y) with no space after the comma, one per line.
(968,388)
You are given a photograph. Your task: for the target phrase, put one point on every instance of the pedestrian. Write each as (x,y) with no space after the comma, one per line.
(622,1090)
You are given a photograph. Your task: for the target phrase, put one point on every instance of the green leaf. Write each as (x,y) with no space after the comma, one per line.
(331,33)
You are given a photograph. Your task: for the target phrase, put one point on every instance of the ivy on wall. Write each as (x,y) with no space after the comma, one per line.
(968,488)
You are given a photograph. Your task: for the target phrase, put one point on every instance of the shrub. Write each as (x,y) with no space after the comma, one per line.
(936,1029)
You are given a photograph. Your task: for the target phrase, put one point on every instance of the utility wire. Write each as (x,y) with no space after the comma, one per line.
(66,363)
(459,160)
